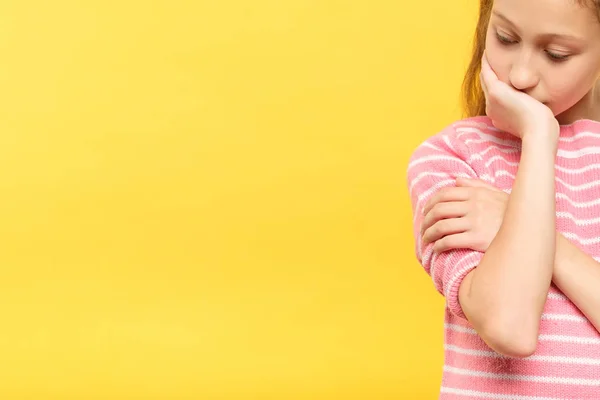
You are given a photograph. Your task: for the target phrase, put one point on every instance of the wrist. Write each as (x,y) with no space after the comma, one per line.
(564,251)
(542,136)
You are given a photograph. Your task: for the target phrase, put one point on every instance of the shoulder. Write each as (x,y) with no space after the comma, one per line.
(473,130)
(462,148)
(466,137)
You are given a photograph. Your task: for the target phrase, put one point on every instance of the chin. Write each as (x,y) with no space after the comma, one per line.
(556,110)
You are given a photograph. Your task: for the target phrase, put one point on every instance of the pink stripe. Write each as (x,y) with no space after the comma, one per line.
(566,363)
(560,306)
(519,388)
(578,367)
(561,345)
(559,317)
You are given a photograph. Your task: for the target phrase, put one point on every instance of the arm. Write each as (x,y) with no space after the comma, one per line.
(504,297)
(578,276)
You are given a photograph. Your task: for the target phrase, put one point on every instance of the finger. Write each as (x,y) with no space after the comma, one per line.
(464,240)
(440,211)
(446,194)
(466,182)
(445,227)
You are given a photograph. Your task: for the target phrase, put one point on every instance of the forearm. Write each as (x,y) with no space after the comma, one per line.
(505,295)
(577,275)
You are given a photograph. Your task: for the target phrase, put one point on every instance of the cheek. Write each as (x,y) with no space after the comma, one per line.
(565,88)
(498,58)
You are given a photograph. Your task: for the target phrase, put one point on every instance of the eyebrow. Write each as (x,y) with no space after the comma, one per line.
(544,35)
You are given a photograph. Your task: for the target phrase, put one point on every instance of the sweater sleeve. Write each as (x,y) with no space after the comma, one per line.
(434,165)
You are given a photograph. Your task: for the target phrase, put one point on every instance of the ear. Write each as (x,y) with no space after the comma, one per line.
(465,182)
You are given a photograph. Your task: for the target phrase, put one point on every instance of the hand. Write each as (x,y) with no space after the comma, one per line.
(467,216)
(514,111)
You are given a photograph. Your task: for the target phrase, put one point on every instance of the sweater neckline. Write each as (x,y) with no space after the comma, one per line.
(575,126)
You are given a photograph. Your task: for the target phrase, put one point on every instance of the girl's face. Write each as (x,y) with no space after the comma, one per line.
(549,49)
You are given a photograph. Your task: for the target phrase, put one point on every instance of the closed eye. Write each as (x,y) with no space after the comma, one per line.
(554,57)
(505,40)
(557,57)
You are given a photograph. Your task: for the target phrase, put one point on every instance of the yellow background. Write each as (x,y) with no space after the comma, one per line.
(207,199)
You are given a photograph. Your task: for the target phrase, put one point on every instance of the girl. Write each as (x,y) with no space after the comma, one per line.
(506,207)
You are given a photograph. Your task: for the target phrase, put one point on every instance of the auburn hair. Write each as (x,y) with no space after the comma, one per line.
(473,99)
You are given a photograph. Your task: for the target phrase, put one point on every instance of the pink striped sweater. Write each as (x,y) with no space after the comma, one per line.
(566,364)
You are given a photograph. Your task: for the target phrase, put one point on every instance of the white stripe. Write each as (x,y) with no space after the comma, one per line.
(471,260)
(479,132)
(580,240)
(578,153)
(578,222)
(570,171)
(481,154)
(492,140)
(448,143)
(427,159)
(500,158)
(569,339)
(434,175)
(432,271)
(472,352)
(557,296)
(425,195)
(578,136)
(487,138)
(426,259)
(574,188)
(568,154)
(576,204)
(461,124)
(549,359)
(437,186)
(516,145)
(578,188)
(487,178)
(563,317)
(494,396)
(527,378)
(549,338)
(589,167)
(431,146)
(503,172)
(459,328)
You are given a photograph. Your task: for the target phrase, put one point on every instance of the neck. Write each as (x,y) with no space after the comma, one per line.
(587,108)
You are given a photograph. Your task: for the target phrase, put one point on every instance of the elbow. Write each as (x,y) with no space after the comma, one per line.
(510,339)
(507,327)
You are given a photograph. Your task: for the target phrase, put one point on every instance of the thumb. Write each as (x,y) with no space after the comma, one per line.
(466,182)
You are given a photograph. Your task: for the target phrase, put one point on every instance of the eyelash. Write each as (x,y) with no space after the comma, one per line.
(552,56)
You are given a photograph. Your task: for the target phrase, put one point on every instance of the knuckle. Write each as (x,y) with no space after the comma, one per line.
(473,221)
(437,211)
(443,226)
(441,245)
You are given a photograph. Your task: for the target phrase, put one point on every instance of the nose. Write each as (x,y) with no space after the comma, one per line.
(523,76)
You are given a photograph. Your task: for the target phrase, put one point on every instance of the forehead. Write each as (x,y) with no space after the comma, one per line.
(576,17)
